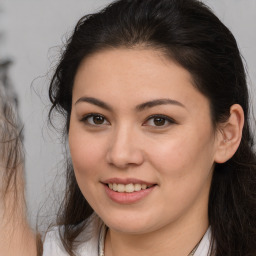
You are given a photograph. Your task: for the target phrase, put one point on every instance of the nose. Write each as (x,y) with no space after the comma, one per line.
(124,149)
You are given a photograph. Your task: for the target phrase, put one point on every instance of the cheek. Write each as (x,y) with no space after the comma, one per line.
(184,168)
(85,153)
(87,164)
(184,155)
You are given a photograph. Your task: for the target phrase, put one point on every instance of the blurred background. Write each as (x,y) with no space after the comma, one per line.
(31,36)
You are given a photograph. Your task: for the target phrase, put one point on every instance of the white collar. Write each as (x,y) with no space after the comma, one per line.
(202,250)
(204,247)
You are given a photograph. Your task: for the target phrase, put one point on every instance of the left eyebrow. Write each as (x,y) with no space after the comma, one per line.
(158,102)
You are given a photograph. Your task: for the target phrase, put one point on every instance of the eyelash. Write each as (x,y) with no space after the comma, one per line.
(93,115)
(152,117)
(164,117)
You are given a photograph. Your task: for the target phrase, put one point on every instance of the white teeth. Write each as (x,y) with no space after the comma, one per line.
(115,187)
(129,188)
(137,187)
(120,187)
(143,186)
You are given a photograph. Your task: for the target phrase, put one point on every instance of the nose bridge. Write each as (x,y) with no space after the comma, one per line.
(124,148)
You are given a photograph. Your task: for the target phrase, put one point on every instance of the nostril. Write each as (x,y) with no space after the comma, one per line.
(122,155)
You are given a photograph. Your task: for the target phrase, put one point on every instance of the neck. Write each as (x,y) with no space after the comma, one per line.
(179,239)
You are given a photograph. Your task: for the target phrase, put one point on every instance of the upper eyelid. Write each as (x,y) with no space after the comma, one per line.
(161,116)
(90,115)
(85,117)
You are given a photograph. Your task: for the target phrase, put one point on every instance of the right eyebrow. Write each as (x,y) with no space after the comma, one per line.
(95,102)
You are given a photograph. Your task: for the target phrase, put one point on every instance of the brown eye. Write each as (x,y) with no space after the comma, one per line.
(95,119)
(159,121)
(98,119)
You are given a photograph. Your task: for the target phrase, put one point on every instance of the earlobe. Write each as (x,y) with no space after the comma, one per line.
(230,134)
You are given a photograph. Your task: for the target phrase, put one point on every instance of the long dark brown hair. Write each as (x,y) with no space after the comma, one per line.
(188,32)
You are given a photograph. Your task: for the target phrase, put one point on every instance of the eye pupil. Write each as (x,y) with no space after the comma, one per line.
(158,121)
(98,119)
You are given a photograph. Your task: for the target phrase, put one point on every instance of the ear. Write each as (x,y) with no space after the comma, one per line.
(229,134)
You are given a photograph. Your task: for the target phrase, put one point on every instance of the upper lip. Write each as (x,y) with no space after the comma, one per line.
(127,181)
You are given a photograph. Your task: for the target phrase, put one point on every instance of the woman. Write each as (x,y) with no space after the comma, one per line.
(16,236)
(155,100)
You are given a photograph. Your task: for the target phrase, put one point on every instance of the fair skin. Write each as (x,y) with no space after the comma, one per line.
(16,236)
(168,143)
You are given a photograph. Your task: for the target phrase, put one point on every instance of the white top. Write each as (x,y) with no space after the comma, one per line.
(94,232)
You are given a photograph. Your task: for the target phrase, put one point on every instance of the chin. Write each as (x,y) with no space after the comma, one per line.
(130,224)
(130,229)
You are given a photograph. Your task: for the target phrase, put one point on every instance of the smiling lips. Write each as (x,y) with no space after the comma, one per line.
(127,191)
(128,188)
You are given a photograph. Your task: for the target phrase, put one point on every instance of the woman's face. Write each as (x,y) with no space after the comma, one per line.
(140,127)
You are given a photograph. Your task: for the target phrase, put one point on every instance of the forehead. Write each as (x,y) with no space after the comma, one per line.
(134,74)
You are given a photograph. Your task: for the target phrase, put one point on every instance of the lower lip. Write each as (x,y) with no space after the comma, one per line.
(127,198)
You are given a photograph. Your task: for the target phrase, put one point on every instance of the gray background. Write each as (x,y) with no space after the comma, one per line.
(34,31)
